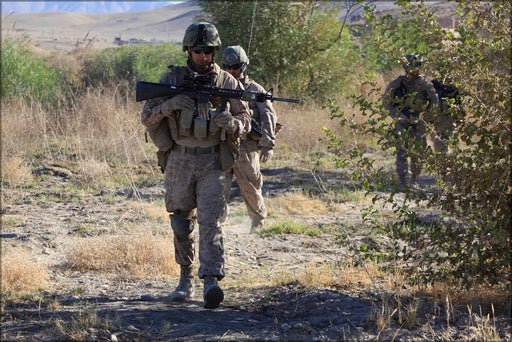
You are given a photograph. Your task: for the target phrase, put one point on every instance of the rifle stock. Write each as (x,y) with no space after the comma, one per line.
(148,90)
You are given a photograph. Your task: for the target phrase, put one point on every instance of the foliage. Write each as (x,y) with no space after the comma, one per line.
(472,243)
(129,63)
(25,74)
(294,47)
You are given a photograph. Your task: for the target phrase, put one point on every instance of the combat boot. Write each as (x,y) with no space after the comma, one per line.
(185,290)
(402,182)
(213,294)
(256,224)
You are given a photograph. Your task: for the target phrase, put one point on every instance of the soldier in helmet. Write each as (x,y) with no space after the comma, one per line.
(410,99)
(247,167)
(194,179)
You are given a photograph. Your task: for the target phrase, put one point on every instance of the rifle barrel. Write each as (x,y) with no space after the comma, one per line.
(285,99)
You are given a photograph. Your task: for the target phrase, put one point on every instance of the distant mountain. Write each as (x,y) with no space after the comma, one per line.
(67,30)
(90,7)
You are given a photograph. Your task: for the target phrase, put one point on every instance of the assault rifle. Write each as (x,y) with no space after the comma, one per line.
(258,131)
(200,89)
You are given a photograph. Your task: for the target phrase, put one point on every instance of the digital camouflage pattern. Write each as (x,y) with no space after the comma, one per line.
(201,34)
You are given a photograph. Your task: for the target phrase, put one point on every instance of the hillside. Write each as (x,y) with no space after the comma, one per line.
(66,30)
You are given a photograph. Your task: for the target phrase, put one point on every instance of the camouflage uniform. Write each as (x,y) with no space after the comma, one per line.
(194,179)
(247,167)
(420,95)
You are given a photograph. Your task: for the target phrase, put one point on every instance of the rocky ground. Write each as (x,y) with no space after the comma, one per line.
(109,309)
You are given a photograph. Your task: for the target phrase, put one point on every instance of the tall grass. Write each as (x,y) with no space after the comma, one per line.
(20,273)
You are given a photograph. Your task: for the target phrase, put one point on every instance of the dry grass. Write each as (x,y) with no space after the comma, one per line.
(91,171)
(100,127)
(130,256)
(151,211)
(303,125)
(20,273)
(15,172)
(295,203)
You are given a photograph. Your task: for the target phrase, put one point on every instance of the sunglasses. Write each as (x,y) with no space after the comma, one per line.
(232,66)
(205,49)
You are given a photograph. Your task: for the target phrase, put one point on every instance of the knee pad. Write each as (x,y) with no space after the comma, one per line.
(182,227)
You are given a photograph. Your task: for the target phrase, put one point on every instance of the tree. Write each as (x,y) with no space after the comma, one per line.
(473,184)
(292,48)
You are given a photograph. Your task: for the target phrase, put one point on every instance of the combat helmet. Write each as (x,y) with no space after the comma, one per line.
(201,34)
(412,61)
(234,55)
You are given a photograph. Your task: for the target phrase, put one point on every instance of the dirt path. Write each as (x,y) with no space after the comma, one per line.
(108,309)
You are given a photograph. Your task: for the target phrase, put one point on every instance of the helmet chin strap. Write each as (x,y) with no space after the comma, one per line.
(243,72)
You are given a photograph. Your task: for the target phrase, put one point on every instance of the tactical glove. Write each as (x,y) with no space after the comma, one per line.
(178,102)
(227,121)
(266,154)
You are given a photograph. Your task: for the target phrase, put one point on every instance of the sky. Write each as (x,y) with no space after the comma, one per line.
(90,7)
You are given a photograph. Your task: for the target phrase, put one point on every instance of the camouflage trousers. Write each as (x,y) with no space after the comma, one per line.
(249,178)
(411,134)
(196,182)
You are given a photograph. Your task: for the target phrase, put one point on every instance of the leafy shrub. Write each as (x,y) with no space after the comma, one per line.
(25,74)
(472,243)
(295,48)
(129,63)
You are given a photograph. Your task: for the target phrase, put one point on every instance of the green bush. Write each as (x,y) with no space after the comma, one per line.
(26,75)
(469,242)
(129,63)
(296,48)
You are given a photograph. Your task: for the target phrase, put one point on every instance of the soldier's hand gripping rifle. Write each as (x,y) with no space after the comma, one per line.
(200,89)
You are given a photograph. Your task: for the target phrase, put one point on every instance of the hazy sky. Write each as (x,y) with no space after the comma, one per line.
(91,7)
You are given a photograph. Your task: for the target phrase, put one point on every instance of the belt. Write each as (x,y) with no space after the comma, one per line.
(196,150)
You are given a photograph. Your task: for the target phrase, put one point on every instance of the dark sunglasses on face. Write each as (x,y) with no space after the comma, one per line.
(205,49)
(232,66)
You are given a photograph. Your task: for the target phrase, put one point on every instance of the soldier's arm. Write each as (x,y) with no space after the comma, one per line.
(388,100)
(432,95)
(151,112)
(267,117)
(238,108)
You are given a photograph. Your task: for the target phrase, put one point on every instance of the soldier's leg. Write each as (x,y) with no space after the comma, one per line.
(401,153)
(420,138)
(184,253)
(250,181)
(401,165)
(211,206)
(227,192)
(180,202)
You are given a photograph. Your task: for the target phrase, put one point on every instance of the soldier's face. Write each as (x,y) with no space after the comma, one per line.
(234,70)
(201,55)
(412,73)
